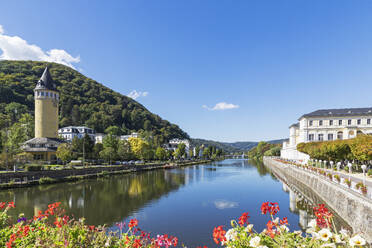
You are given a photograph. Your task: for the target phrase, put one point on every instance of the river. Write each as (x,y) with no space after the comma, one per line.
(185,202)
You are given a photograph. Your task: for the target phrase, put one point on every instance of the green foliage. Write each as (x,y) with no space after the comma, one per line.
(358,148)
(124,150)
(264,149)
(180,151)
(64,152)
(83,101)
(46,180)
(161,153)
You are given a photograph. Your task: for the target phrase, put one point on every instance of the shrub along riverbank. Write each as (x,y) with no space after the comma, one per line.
(264,149)
(30,178)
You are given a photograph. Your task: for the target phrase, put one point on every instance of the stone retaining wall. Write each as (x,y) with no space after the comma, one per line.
(353,208)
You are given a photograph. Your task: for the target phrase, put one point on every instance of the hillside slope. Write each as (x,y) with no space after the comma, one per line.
(83,100)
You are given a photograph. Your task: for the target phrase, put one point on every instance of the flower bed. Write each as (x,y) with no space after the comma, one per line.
(52,228)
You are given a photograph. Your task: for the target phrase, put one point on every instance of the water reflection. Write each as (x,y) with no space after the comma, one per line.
(186,202)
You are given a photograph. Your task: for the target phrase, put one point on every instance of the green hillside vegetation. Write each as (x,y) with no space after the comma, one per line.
(218,145)
(83,101)
(264,149)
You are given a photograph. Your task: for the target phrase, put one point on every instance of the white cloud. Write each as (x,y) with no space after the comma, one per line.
(16,48)
(135,94)
(223,204)
(222,106)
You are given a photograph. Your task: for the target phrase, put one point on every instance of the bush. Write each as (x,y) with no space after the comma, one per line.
(369,173)
(34,167)
(337,177)
(359,185)
(46,180)
(348,182)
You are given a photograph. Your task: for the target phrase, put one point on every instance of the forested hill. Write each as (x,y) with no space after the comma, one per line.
(83,100)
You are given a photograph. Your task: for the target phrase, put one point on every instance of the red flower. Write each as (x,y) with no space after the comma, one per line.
(137,243)
(284,221)
(11,205)
(2,205)
(272,208)
(175,241)
(219,235)
(133,223)
(323,216)
(243,219)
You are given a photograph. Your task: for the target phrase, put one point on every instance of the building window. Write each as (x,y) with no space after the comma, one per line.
(320,137)
(349,122)
(368,121)
(310,123)
(359,121)
(311,137)
(339,122)
(340,135)
(42,93)
(320,123)
(330,122)
(330,136)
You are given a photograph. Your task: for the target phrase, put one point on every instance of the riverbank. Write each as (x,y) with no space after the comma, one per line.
(355,209)
(21,179)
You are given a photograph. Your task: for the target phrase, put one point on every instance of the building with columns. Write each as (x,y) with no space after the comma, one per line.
(326,124)
(46,141)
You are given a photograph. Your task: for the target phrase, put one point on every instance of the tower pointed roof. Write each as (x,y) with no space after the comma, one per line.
(46,82)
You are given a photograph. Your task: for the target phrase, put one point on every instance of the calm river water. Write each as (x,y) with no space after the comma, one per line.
(187,202)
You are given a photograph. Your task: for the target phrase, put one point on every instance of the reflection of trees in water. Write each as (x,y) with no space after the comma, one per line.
(262,169)
(104,200)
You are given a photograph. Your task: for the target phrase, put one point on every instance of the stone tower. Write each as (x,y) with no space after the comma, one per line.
(46,107)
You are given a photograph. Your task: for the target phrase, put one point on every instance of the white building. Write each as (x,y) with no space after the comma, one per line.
(173,145)
(326,124)
(68,133)
(126,137)
(99,137)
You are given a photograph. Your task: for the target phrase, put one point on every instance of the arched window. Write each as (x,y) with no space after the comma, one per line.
(340,135)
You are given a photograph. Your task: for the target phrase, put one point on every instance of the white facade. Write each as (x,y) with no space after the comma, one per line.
(323,125)
(126,137)
(173,145)
(69,133)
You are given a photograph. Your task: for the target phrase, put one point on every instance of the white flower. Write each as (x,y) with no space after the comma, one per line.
(284,228)
(276,221)
(344,233)
(249,228)
(231,235)
(338,238)
(356,240)
(324,234)
(255,242)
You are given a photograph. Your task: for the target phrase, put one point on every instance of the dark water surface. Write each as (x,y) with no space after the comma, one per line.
(187,202)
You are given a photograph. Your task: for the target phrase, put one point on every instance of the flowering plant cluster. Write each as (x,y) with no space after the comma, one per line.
(52,228)
(359,186)
(321,232)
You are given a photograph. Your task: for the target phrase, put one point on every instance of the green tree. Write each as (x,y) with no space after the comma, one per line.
(108,154)
(124,150)
(160,153)
(64,152)
(180,151)
(113,130)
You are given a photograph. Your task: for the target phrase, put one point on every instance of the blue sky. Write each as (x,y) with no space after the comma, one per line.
(268,61)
